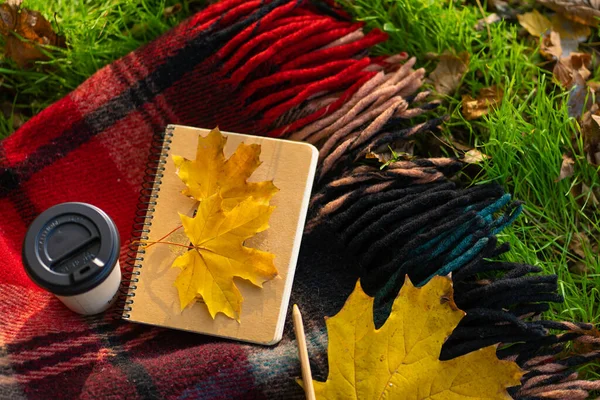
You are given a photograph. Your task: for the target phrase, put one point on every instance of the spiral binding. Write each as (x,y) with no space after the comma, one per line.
(143,221)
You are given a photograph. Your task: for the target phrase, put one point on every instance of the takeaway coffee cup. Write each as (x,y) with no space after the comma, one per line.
(72,250)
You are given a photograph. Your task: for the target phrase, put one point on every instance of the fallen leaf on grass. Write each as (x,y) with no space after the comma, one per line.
(567,168)
(26,33)
(578,268)
(571,33)
(590,131)
(449,72)
(219,255)
(569,29)
(475,108)
(589,196)
(550,48)
(582,11)
(580,244)
(578,96)
(535,23)
(401,151)
(567,68)
(490,19)
(560,36)
(172,10)
(210,172)
(401,359)
(9,113)
(474,156)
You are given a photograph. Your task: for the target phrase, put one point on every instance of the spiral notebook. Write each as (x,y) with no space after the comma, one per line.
(151,297)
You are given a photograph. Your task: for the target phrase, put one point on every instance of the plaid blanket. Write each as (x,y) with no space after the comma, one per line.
(286,68)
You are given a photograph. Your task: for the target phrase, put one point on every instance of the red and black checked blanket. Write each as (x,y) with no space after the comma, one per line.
(285,68)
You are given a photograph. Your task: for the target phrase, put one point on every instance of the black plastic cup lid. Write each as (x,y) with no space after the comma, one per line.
(71,248)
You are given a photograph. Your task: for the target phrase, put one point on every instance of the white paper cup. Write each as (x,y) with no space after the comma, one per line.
(72,250)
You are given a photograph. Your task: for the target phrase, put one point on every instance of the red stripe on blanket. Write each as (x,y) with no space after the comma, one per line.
(106,187)
(344,51)
(12,232)
(315,42)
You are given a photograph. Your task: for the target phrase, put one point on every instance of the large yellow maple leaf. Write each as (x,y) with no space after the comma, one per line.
(218,254)
(211,172)
(401,359)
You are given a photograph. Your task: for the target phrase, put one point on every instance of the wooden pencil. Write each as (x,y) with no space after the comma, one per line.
(307,382)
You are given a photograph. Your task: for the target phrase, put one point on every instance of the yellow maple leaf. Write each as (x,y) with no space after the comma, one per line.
(400,360)
(211,172)
(218,254)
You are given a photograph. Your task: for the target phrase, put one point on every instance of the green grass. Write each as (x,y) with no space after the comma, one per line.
(98,32)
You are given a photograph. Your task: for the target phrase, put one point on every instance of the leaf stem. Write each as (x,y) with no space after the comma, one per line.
(171,243)
(168,234)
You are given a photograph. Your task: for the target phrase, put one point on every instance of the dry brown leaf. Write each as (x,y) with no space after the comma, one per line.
(563,74)
(588,199)
(567,168)
(579,268)
(535,23)
(474,156)
(569,29)
(585,12)
(172,10)
(589,196)
(475,108)
(449,72)
(590,131)
(550,47)
(10,113)
(566,34)
(459,145)
(566,69)
(580,62)
(578,243)
(595,86)
(490,19)
(571,33)
(579,99)
(26,32)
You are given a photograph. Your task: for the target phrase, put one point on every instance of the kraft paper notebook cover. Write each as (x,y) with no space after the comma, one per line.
(291,165)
